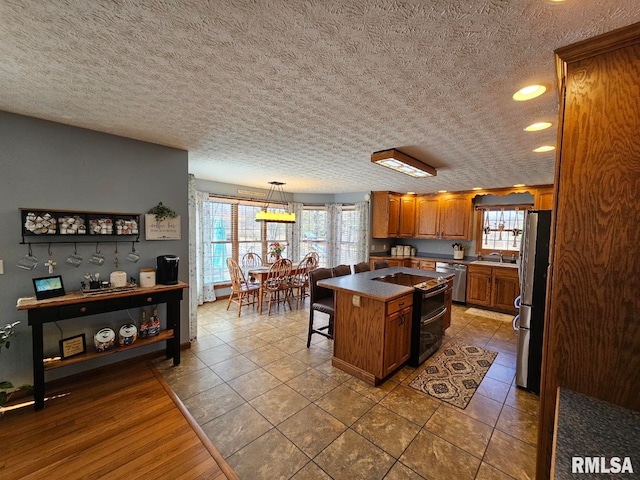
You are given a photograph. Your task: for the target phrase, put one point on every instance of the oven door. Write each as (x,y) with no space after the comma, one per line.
(432,301)
(431,332)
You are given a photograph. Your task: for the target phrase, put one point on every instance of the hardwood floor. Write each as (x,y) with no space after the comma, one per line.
(119,422)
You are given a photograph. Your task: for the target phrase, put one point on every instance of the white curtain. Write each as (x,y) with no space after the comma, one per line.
(199,230)
(362,209)
(334,212)
(294,232)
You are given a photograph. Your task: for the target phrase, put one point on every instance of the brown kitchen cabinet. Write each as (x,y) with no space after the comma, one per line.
(443,216)
(372,337)
(543,198)
(494,288)
(427,265)
(393,215)
(385,215)
(591,339)
(397,344)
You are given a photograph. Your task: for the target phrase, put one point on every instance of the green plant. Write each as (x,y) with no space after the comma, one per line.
(6,332)
(161,212)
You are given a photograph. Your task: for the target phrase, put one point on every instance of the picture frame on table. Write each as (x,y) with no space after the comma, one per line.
(72,346)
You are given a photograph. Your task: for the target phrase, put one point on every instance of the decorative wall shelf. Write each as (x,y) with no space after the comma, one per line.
(41,225)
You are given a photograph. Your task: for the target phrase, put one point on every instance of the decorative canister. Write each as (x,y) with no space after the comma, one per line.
(118,279)
(407,250)
(394,251)
(128,334)
(147,277)
(414,251)
(104,340)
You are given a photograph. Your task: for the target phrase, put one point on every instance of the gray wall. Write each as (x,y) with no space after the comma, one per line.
(50,165)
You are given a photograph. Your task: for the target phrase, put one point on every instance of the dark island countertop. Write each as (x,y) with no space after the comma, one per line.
(363,284)
(587,427)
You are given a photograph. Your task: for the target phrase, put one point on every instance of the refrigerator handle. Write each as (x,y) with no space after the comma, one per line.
(516,302)
(516,319)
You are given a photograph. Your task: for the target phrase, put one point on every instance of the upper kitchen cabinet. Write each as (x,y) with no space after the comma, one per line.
(543,198)
(445,216)
(393,215)
(591,338)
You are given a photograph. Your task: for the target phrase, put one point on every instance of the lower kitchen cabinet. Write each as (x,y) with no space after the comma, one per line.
(397,345)
(372,338)
(494,288)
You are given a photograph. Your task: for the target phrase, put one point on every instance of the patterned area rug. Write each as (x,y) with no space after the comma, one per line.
(503,317)
(454,373)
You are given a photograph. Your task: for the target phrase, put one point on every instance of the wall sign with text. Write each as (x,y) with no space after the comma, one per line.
(167,229)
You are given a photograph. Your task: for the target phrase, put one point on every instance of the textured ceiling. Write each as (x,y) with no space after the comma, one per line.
(304,91)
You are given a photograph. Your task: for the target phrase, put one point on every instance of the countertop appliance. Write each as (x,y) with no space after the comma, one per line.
(529,323)
(167,269)
(459,281)
(427,319)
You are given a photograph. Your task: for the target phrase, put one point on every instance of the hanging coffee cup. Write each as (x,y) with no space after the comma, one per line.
(133,256)
(96,258)
(29,261)
(74,259)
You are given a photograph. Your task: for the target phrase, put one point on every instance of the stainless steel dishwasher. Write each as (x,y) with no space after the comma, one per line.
(459,281)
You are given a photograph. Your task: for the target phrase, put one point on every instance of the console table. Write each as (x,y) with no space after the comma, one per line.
(75,304)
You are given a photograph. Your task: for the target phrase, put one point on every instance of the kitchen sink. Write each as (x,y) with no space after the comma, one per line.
(494,264)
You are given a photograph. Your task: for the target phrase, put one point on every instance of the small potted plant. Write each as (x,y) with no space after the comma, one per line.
(7,332)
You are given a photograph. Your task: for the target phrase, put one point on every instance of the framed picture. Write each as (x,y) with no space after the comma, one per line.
(167,229)
(72,346)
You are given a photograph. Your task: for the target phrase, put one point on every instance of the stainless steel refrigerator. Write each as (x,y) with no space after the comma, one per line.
(529,323)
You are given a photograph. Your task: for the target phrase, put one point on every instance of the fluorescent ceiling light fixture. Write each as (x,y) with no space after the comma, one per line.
(518,185)
(476,188)
(442,191)
(400,162)
(275,217)
(536,127)
(544,148)
(527,93)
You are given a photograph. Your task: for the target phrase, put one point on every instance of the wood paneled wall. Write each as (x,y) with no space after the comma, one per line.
(592,333)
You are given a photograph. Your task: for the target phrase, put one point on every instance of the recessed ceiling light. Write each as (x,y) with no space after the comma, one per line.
(544,148)
(442,191)
(527,93)
(476,188)
(535,127)
(518,185)
(411,193)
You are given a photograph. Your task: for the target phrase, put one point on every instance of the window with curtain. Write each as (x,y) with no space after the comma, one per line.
(500,228)
(230,230)
(314,233)
(349,236)
(217,235)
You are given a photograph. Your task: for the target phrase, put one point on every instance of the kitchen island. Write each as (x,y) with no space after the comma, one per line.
(373,322)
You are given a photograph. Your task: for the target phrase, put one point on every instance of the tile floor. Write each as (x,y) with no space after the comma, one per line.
(277,410)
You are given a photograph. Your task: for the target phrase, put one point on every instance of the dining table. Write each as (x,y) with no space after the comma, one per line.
(260,275)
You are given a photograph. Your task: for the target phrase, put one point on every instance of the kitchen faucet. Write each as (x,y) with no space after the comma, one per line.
(498,253)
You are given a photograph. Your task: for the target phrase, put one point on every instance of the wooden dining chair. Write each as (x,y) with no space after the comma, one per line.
(251,260)
(300,279)
(361,267)
(277,286)
(321,301)
(380,264)
(341,270)
(242,292)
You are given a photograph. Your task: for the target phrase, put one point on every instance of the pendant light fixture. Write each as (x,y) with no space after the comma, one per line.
(403,163)
(265,215)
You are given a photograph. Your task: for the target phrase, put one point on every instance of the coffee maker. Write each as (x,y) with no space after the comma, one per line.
(167,269)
